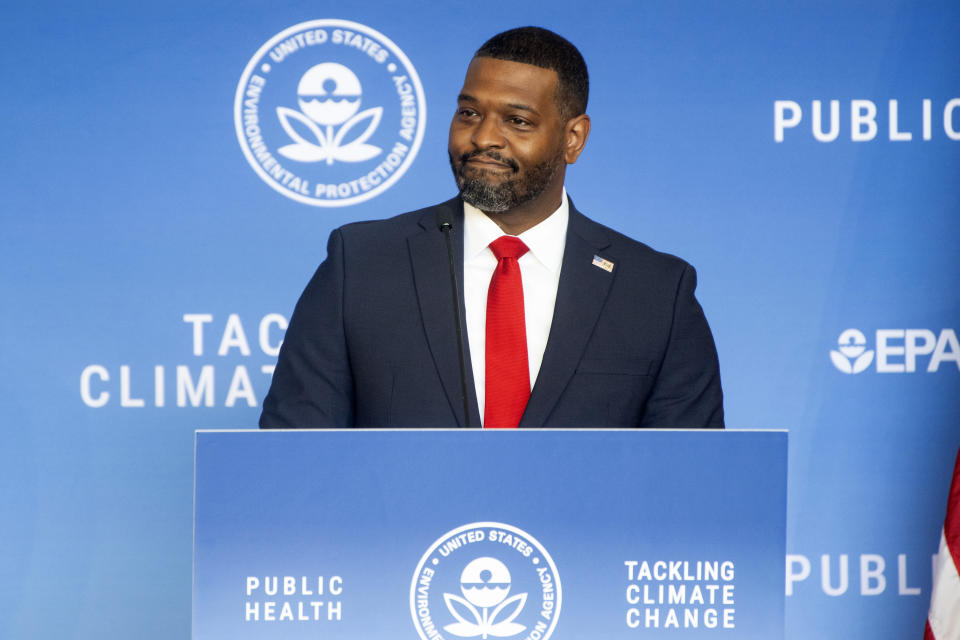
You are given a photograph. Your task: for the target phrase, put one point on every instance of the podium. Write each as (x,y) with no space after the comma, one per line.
(509,534)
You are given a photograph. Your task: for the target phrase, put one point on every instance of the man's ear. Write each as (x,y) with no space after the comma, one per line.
(576,132)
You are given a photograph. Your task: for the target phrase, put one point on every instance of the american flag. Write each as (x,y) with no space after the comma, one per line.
(943,621)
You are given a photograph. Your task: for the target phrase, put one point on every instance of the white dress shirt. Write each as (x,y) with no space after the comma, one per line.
(539,270)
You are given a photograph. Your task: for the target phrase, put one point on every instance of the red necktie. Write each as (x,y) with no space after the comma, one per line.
(507,371)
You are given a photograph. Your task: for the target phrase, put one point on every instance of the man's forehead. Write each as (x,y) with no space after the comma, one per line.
(492,77)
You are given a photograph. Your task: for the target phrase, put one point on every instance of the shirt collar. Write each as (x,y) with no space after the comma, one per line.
(545,240)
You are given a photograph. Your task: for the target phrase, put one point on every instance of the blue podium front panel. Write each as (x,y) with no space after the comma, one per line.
(522,535)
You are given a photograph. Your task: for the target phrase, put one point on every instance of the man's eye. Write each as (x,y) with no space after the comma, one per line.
(466,113)
(519,122)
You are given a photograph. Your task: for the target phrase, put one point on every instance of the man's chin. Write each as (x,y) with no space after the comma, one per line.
(491,191)
(491,208)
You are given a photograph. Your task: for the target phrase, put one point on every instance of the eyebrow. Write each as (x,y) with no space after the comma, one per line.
(466,97)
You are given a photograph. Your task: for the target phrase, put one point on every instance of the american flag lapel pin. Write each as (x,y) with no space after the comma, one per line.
(604,264)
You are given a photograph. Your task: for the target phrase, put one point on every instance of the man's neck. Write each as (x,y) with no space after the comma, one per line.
(529,214)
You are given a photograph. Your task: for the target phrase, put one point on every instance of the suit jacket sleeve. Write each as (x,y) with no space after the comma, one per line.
(312,384)
(687,390)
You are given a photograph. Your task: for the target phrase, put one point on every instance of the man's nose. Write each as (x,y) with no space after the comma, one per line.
(487,134)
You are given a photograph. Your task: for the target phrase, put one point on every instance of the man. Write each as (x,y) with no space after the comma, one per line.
(568,323)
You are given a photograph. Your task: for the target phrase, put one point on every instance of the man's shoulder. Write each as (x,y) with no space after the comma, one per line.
(613,244)
(399,226)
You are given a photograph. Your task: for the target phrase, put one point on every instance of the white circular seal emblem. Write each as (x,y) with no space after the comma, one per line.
(485,580)
(330,112)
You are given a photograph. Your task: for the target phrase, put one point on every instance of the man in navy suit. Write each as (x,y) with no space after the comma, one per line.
(611,334)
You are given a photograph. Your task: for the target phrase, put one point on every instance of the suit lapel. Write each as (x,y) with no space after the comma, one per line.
(581,294)
(431,274)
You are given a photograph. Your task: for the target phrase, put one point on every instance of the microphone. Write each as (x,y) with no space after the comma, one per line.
(445,224)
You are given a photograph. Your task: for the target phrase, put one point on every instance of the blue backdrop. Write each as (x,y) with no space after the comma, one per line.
(148,269)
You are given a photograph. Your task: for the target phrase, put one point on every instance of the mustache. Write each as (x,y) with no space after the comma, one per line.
(492,155)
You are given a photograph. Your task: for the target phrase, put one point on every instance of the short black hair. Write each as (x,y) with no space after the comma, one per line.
(547,50)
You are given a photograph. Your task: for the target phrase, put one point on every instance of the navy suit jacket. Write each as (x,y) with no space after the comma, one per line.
(372,341)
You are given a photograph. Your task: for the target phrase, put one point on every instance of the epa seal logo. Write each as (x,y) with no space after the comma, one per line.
(851,355)
(330,113)
(485,580)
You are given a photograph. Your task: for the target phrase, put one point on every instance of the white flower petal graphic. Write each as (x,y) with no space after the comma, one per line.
(374,114)
(463,629)
(303,152)
(863,362)
(520,599)
(355,152)
(451,599)
(284,114)
(840,362)
(505,629)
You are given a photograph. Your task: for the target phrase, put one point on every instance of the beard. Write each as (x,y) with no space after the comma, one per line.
(489,195)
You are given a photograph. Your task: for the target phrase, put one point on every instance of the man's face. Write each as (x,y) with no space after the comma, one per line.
(506,139)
